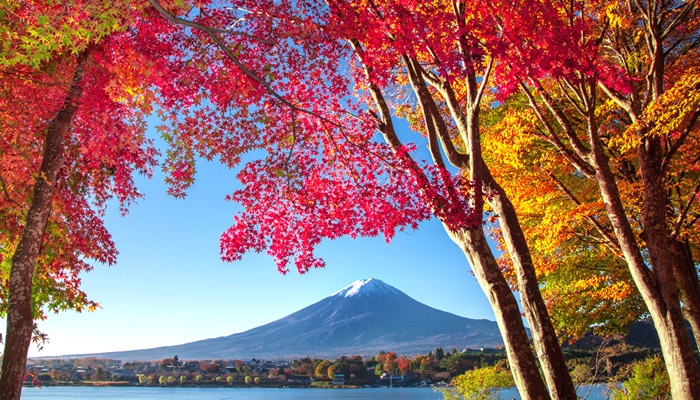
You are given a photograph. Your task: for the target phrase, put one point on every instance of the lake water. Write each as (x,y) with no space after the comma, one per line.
(141,393)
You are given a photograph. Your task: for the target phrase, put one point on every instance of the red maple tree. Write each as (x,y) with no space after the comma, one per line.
(75,98)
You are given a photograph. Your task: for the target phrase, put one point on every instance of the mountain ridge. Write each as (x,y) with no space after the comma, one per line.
(363,318)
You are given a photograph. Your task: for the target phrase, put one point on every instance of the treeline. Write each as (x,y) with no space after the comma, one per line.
(608,364)
(383,369)
(436,366)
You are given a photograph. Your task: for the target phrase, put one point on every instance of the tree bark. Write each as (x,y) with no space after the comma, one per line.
(20,322)
(526,374)
(473,241)
(687,279)
(657,286)
(522,361)
(544,337)
(682,368)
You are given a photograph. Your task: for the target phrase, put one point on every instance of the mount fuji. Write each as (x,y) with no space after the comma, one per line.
(362,319)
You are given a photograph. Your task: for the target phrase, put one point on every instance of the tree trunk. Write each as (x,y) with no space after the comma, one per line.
(657,286)
(487,271)
(544,336)
(472,241)
(678,354)
(20,321)
(522,361)
(687,279)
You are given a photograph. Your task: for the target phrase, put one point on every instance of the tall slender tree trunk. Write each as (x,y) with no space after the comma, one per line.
(493,283)
(682,368)
(658,285)
(522,361)
(687,279)
(473,241)
(545,339)
(20,322)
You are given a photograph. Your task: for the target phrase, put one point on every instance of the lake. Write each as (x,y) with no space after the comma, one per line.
(145,393)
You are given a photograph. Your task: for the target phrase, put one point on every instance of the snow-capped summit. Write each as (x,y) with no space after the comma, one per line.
(365,287)
(364,318)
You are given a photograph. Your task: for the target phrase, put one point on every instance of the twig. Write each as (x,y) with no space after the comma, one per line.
(598,362)
(211,32)
(684,212)
(20,152)
(7,195)
(610,243)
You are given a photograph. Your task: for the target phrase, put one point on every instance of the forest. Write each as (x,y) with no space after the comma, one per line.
(560,140)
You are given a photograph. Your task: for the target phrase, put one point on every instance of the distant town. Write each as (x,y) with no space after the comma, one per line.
(385,369)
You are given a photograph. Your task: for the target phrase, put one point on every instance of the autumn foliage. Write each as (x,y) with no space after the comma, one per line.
(106,147)
(569,128)
(613,153)
(574,92)
(75,100)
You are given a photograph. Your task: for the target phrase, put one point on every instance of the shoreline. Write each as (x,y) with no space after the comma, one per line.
(297,386)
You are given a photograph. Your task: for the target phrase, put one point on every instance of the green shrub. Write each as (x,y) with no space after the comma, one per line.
(480,384)
(649,381)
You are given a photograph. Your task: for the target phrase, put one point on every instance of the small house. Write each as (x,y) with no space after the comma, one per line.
(338,379)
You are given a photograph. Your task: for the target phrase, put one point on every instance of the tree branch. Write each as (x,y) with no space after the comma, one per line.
(211,32)
(459,160)
(677,145)
(435,125)
(581,164)
(609,242)
(564,122)
(484,82)
(679,19)
(568,96)
(620,101)
(682,215)
(7,194)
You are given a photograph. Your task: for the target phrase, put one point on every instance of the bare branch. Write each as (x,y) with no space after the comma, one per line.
(484,82)
(620,101)
(564,123)
(435,125)
(386,127)
(684,212)
(581,164)
(568,96)
(208,30)
(679,19)
(456,158)
(598,362)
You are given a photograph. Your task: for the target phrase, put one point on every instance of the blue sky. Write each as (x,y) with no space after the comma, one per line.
(169,285)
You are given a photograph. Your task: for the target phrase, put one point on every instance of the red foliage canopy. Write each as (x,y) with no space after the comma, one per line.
(279,87)
(105,148)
